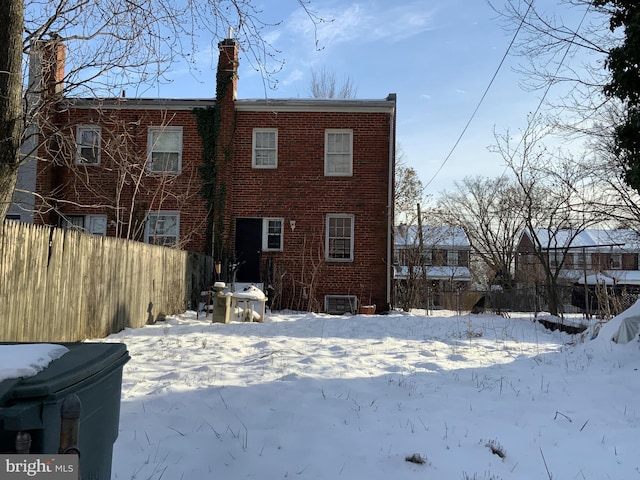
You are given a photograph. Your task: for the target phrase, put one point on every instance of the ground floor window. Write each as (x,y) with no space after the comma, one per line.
(272,233)
(93,224)
(163,228)
(339,238)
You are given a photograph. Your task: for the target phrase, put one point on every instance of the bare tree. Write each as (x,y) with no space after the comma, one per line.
(110,47)
(324,85)
(489,211)
(409,191)
(620,201)
(556,51)
(126,188)
(411,267)
(559,196)
(569,57)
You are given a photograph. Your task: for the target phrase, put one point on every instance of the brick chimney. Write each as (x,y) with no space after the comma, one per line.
(228,65)
(226,88)
(46,83)
(47,67)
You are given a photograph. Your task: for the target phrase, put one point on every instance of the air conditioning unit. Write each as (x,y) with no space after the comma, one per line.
(339,304)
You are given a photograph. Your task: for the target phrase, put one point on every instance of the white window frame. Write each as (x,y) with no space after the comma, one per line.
(255,149)
(96,146)
(453,258)
(582,260)
(152,135)
(331,155)
(330,238)
(149,235)
(266,234)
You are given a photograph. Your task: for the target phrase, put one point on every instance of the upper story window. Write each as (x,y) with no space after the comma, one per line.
(272,233)
(165,149)
(582,260)
(339,238)
(88,139)
(338,153)
(616,261)
(265,148)
(556,258)
(453,258)
(162,228)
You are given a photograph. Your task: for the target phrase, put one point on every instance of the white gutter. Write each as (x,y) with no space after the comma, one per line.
(390,199)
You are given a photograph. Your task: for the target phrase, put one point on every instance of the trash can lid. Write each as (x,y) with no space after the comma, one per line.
(82,361)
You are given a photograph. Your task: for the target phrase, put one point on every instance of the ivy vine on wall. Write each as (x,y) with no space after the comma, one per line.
(214,188)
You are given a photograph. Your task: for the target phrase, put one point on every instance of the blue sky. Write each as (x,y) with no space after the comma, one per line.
(438,56)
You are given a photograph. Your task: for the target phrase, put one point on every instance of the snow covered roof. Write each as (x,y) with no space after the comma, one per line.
(432,236)
(607,277)
(457,274)
(593,239)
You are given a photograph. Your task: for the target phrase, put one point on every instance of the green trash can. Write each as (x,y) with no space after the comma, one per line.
(92,371)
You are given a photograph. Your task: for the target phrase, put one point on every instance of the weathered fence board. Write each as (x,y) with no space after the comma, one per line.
(58,285)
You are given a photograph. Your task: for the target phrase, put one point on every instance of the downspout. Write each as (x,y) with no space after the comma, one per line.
(390,199)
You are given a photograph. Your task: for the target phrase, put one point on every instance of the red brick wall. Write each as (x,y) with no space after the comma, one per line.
(84,190)
(298,190)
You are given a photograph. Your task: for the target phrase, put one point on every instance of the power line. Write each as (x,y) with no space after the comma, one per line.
(551,82)
(486,91)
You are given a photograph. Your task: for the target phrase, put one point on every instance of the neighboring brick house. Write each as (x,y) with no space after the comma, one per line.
(441,265)
(593,257)
(303,187)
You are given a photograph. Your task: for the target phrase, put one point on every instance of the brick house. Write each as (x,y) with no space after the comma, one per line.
(587,261)
(298,194)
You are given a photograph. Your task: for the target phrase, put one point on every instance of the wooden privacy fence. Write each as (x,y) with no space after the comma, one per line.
(58,285)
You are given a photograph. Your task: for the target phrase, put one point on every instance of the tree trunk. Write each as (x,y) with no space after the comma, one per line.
(11,19)
(553,297)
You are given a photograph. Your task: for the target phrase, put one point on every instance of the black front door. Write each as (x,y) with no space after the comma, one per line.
(248,247)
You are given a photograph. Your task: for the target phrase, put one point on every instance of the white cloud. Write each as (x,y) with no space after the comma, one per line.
(362,23)
(293,77)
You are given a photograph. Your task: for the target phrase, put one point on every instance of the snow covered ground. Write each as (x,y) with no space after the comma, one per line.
(308,396)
